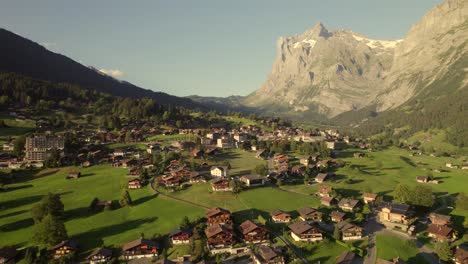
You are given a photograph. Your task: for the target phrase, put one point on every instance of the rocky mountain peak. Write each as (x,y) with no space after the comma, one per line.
(317,31)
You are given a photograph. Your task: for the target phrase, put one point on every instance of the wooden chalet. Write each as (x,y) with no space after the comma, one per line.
(196,177)
(279,216)
(64,248)
(439,219)
(8,255)
(220,236)
(302,231)
(349,231)
(441,233)
(268,255)
(253,233)
(369,198)
(252,180)
(324,190)
(140,248)
(298,170)
(218,216)
(134,184)
(322,177)
(180,236)
(170,181)
(220,185)
(100,255)
(349,205)
(461,255)
(328,201)
(181,173)
(337,216)
(310,214)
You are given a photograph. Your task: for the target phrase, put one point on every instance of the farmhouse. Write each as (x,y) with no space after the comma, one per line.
(220,236)
(302,231)
(349,205)
(140,248)
(100,255)
(267,255)
(218,216)
(369,198)
(180,236)
(8,255)
(439,219)
(134,184)
(253,233)
(305,160)
(321,177)
(220,185)
(328,201)
(310,214)
(441,232)
(337,216)
(219,171)
(252,180)
(196,177)
(324,190)
(64,248)
(279,216)
(349,231)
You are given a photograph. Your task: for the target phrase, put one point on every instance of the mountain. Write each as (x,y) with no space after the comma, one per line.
(22,56)
(326,74)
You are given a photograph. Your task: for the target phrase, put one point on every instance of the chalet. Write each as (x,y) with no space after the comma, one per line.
(140,248)
(439,219)
(218,216)
(321,177)
(119,153)
(74,175)
(349,205)
(349,231)
(86,164)
(346,257)
(224,142)
(219,171)
(64,248)
(100,255)
(8,255)
(328,201)
(268,255)
(220,185)
(253,233)
(170,181)
(310,214)
(180,173)
(196,177)
(422,179)
(441,232)
(252,180)
(197,153)
(305,160)
(337,216)
(394,215)
(302,231)
(336,145)
(323,163)
(279,216)
(280,158)
(220,236)
(128,163)
(369,198)
(134,184)
(324,191)
(298,170)
(460,256)
(180,236)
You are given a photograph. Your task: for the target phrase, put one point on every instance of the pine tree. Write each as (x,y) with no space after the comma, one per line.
(49,204)
(125,200)
(443,250)
(49,231)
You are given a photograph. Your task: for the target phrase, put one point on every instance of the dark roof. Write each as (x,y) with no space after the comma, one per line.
(138,242)
(401,209)
(343,226)
(8,253)
(101,251)
(440,217)
(267,253)
(213,230)
(461,255)
(277,212)
(439,230)
(348,203)
(180,230)
(69,243)
(214,211)
(306,211)
(346,257)
(247,227)
(337,214)
(300,227)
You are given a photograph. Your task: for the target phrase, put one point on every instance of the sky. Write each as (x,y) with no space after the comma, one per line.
(195,47)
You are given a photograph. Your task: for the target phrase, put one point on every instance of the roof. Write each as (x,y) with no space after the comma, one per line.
(325,189)
(401,209)
(439,230)
(343,226)
(213,230)
(321,176)
(223,168)
(337,214)
(252,177)
(327,199)
(300,227)
(8,252)
(180,230)
(247,227)
(306,211)
(267,252)
(278,212)
(138,242)
(346,257)
(106,252)
(461,255)
(348,203)
(214,211)
(369,195)
(440,217)
(68,243)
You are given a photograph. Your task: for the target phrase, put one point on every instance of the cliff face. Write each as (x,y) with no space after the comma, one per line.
(326,73)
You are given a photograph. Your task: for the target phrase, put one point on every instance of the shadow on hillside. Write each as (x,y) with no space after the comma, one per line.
(20,202)
(249,214)
(15,188)
(77,213)
(348,192)
(420,258)
(408,161)
(93,238)
(14,226)
(143,200)
(13,214)
(87,175)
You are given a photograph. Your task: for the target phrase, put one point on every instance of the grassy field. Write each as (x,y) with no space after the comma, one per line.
(149,215)
(15,128)
(126,145)
(242,162)
(188,137)
(389,247)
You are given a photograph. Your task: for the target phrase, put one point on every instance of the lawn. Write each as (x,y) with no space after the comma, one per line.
(15,128)
(389,247)
(242,162)
(149,215)
(126,145)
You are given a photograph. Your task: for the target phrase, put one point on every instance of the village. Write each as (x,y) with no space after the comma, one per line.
(176,163)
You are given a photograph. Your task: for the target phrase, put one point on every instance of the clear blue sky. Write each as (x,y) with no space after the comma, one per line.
(204,47)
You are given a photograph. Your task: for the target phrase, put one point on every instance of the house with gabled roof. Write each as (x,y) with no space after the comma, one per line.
(395,215)
(328,201)
(140,248)
(220,236)
(100,255)
(218,216)
(253,233)
(337,216)
(268,255)
(349,205)
(369,198)
(64,248)
(302,231)
(310,214)
(349,231)
(439,219)
(180,236)
(440,232)
(279,216)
